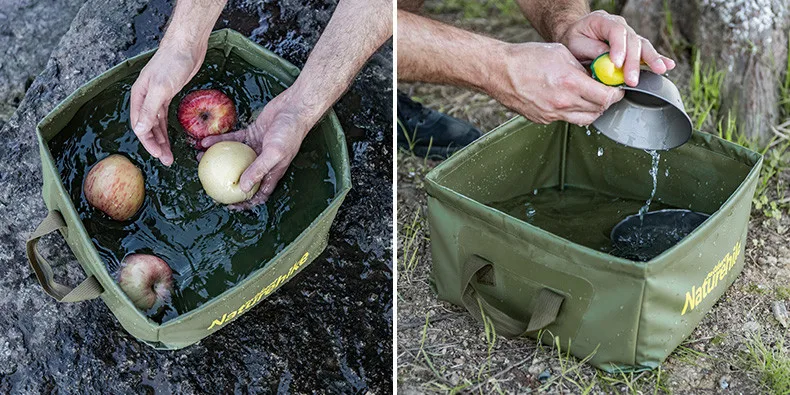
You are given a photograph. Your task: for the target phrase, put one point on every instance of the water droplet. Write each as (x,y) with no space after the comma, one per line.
(600,151)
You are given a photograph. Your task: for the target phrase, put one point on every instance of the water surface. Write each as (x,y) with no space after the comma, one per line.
(209,247)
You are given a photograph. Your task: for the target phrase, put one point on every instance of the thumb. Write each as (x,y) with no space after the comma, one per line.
(262,165)
(585,48)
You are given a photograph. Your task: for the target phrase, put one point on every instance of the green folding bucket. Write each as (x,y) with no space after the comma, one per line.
(213,315)
(622,314)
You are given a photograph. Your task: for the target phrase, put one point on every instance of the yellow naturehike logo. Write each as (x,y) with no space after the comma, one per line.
(260,295)
(698,293)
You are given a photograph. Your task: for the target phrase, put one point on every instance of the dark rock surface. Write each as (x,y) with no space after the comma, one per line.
(29,30)
(327,330)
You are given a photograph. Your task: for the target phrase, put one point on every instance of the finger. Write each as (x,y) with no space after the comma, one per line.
(272,179)
(136,101)
(254,174)
(651,57)
(239,136)
(616,34)
(147,119)
(669,63)
(602,96)
(633,57)
(581,118)
(167,153)
(587,48)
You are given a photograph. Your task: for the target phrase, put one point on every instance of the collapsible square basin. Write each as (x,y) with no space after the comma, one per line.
(622,314)
(190,327)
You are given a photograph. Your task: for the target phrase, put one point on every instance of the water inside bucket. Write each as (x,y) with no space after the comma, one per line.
(209,247)
(586,217)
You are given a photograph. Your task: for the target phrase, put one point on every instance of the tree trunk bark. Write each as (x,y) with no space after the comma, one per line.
(747,39)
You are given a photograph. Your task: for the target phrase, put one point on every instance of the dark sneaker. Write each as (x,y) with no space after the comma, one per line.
(429,133)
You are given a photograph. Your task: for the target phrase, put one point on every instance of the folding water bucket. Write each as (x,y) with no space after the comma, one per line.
(623,315)
(187,328)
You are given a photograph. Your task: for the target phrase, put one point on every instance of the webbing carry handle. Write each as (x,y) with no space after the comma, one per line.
(88,289)
(546,305)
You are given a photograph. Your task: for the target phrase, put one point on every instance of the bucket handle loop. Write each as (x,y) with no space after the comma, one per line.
(88,289)
(546,305)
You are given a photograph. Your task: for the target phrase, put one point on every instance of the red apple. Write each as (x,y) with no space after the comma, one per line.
(146,279)
(206,112)
(115,186)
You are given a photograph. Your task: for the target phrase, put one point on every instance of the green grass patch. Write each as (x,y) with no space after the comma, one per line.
(782,293)
(412,236)
(772,363)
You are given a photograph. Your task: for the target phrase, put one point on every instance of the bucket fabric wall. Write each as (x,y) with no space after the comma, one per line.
(622,315)
(188,328)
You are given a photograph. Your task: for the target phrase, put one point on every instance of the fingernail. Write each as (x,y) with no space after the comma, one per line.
(137,128)
(634,75)
(246,186)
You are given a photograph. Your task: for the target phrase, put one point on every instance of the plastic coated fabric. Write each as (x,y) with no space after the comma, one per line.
(86,290)
(189,328)
(623,315)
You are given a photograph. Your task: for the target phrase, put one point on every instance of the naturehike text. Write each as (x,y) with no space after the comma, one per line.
(260,295)
(698,293)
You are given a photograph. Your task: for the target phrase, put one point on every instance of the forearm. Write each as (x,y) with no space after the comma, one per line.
(355,31)
(430,51)
(192,22)
(551,18)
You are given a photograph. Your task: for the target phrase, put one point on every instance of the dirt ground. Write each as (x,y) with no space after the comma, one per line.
(443,349)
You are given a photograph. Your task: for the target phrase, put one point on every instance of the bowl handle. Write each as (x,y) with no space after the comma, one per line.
(88,289)
(546,304)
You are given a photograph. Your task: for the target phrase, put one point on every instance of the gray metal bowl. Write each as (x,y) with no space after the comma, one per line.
(651,115)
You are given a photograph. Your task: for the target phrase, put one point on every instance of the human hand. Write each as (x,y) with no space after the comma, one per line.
(168,71)
(276,136)
(545,83)
(586,39)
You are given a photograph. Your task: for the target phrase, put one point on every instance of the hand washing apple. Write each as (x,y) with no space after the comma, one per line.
(221,168)
(206,112)
(146,279)
(115,186)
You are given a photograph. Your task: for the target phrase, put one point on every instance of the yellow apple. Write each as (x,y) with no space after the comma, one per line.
(221,168)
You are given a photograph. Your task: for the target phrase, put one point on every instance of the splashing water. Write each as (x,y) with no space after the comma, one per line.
(600,151)
(653,173)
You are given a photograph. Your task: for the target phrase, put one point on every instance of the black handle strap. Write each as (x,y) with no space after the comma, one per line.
(546,305)
(88,289)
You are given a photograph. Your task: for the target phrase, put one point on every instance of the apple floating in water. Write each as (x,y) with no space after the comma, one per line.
(146,279)
(221,168)
(115,186)
(206,112)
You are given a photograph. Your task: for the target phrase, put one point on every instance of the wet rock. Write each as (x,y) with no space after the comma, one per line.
(544,375)
(321,330)
(780,312)
(29,29)
(724,382)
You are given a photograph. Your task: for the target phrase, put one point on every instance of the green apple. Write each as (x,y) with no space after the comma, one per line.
(221,168)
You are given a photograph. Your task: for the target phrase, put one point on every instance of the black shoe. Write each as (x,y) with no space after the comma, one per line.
(429,133)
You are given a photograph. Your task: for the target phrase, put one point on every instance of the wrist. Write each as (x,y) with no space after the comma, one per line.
(497,69)
(306,104)
(312,99)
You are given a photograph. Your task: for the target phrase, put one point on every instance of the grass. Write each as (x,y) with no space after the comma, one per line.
(784,88)
(704,99)
(703,104)
(412,235)
(772,364)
